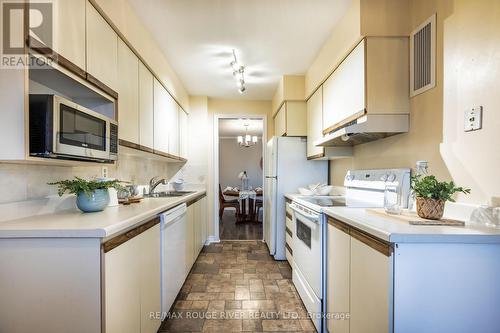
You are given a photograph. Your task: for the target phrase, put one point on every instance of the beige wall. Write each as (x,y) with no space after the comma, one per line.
(342,39)
(240,107)
(385,17)
(290,88)
(120,12)
(234,159)
(468,68)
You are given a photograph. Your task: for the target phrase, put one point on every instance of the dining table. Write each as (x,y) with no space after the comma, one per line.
(244,196)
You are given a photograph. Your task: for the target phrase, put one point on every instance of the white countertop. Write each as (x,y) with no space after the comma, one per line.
(73,223)
(395,230)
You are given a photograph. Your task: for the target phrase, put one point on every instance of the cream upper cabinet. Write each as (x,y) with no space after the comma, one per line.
(102,49)
(69,30)
(372,79)
(291,119)
(128,93)
(344,90)
(173,127)
(161,105)
(315,124)
(146,107)
(183,133)
(166,121)
(280,122)
(338,274)
(369,289)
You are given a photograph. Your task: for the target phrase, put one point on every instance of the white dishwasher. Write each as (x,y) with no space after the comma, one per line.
(173,257)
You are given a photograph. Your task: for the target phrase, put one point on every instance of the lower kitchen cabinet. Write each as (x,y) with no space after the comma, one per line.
(338,272)
(150,278)
(132,284)
(197,230)
(190,252)
(122,303)
(359,281)
(369,289)
(83,285)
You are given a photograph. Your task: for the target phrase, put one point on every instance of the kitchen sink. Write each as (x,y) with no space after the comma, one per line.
(170,194)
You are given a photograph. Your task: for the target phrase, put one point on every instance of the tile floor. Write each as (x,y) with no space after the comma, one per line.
(235,286)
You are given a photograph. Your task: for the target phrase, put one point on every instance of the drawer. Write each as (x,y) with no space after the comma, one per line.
(289,257)
(288,209)
(290,225)
(289,240)
(289,249)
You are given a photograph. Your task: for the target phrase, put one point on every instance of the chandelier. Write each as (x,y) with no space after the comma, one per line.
(247,140)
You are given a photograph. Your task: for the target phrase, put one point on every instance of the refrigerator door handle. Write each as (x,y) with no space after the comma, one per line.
(271,177)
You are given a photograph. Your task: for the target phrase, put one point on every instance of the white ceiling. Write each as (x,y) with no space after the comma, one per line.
(231,128)
(271,38)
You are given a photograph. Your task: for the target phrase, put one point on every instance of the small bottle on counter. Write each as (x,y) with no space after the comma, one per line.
(421,169)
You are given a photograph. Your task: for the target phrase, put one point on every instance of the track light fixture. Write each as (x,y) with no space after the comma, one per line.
(238,73)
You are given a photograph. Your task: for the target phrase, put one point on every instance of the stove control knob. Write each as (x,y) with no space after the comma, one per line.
(391,178)
(349,177)
(384,177)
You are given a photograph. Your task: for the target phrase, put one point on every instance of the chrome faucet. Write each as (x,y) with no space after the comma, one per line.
(154,182)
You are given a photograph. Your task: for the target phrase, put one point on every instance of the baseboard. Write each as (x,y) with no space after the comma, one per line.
(212,239)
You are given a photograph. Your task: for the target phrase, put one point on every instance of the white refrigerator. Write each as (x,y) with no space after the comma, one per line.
(287,169)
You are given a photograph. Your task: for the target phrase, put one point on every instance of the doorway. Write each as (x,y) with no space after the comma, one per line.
(240,212)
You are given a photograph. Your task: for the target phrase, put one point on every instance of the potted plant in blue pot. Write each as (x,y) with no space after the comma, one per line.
(91,195)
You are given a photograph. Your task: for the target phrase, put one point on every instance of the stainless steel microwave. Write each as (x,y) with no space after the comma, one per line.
(59,128)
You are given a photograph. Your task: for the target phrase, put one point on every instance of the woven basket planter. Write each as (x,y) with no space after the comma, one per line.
(430,209)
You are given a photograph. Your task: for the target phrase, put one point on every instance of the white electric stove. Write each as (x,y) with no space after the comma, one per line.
(363,188)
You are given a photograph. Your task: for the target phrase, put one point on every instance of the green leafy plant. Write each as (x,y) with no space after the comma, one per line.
(429,187)
(79,185)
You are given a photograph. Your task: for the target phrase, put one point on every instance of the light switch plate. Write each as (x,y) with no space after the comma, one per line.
(473,119)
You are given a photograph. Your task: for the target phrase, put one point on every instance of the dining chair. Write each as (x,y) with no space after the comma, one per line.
(224,203)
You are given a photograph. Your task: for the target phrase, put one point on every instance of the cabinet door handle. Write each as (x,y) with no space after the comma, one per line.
(375,243)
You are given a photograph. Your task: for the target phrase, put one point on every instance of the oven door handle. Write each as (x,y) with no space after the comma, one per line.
(308,217)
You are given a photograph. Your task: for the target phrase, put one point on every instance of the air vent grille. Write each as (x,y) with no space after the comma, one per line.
(423,57)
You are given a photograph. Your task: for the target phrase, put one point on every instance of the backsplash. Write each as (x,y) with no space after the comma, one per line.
(20,182)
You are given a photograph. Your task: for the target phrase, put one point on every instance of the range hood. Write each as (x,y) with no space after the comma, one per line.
(369,127)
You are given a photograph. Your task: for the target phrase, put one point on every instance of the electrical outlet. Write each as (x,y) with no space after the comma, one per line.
(104,172)
(473,119)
